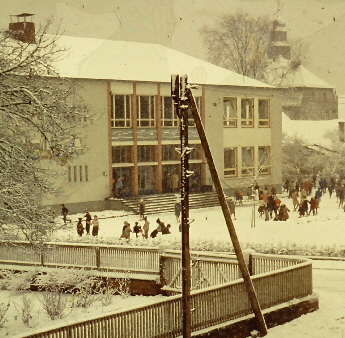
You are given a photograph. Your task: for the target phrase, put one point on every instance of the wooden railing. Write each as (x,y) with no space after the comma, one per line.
(207,270)
(211,306)
(131,259)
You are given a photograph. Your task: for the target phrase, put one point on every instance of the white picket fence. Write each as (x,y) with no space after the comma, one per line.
(276,280)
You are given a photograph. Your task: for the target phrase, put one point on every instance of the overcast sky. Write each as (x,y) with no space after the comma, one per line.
(176,23)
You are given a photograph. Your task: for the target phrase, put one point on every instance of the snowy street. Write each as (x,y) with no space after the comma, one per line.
(329,320)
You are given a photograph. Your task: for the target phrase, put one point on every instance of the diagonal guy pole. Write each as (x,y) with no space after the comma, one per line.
(216,181)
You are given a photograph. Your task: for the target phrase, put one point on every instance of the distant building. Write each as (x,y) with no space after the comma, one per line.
(307,96)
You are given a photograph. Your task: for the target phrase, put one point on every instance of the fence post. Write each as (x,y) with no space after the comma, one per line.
(42,253)
(162,278)
(248,258)
(98,258)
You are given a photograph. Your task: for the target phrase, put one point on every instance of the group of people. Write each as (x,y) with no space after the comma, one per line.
(144,230)
(270,204)
(88,222)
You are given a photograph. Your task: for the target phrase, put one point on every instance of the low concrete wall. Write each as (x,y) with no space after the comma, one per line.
(92,206)
(278,315)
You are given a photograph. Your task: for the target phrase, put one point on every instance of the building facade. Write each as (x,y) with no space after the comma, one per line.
(135,132)
(307,97)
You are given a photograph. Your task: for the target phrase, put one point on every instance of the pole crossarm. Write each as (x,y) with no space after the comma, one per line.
(226,212)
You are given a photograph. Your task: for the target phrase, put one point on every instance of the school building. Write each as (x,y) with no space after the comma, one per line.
(126,86)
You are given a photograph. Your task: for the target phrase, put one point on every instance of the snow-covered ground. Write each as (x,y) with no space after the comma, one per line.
(324,229)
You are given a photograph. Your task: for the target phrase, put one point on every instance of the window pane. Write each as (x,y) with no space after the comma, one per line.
(121,111)
(248,161)
(167,108)
(146,111)
(263,109)
(247,108)
(230,108)
(146,153)
(119,107)
(230,111)
(264,160)
(144,107)
(121,154)
(230,167)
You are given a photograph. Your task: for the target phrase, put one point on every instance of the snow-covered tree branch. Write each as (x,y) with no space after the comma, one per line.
(41,117)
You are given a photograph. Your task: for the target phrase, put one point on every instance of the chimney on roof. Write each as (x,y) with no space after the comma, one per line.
(22,29)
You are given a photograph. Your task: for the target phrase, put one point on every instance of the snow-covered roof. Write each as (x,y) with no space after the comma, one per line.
(300,77)
(312,132)
(135,61)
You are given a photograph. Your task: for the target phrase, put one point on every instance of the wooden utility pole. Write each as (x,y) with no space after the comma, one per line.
(178,93)
(238,251)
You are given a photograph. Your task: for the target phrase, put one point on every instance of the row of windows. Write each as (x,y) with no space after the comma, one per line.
(121,108)
(249,160)
(78,173)
(121,111)
(246,107)
(148,153)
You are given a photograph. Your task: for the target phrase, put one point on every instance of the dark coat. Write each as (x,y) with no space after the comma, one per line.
(154,233)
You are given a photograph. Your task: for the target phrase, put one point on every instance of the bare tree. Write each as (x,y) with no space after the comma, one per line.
(40,118)
(332,160)
(298,160)
(241,42)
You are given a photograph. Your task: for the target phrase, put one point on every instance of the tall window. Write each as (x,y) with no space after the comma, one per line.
(264,154)
(248,161)
(230,112)
(121,111)
(146,153)
(86,173)
(121,154)
(75,176)
(247,112)
(230,160)
(169,118)
(146,111)
(169,152)
(264,113)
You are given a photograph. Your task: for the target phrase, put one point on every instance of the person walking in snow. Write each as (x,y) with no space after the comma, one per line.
(270,205)
(80,228)
(295,202)
(146,227)
(303,208)
(141,209)
(277,203)
(119,187)
(231,205)
(136,229)
(341,196)
(88,219)
(64,212)
(95,226)
(177,211)
(126,231)
(313,206)
(239,196)
(284,213)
